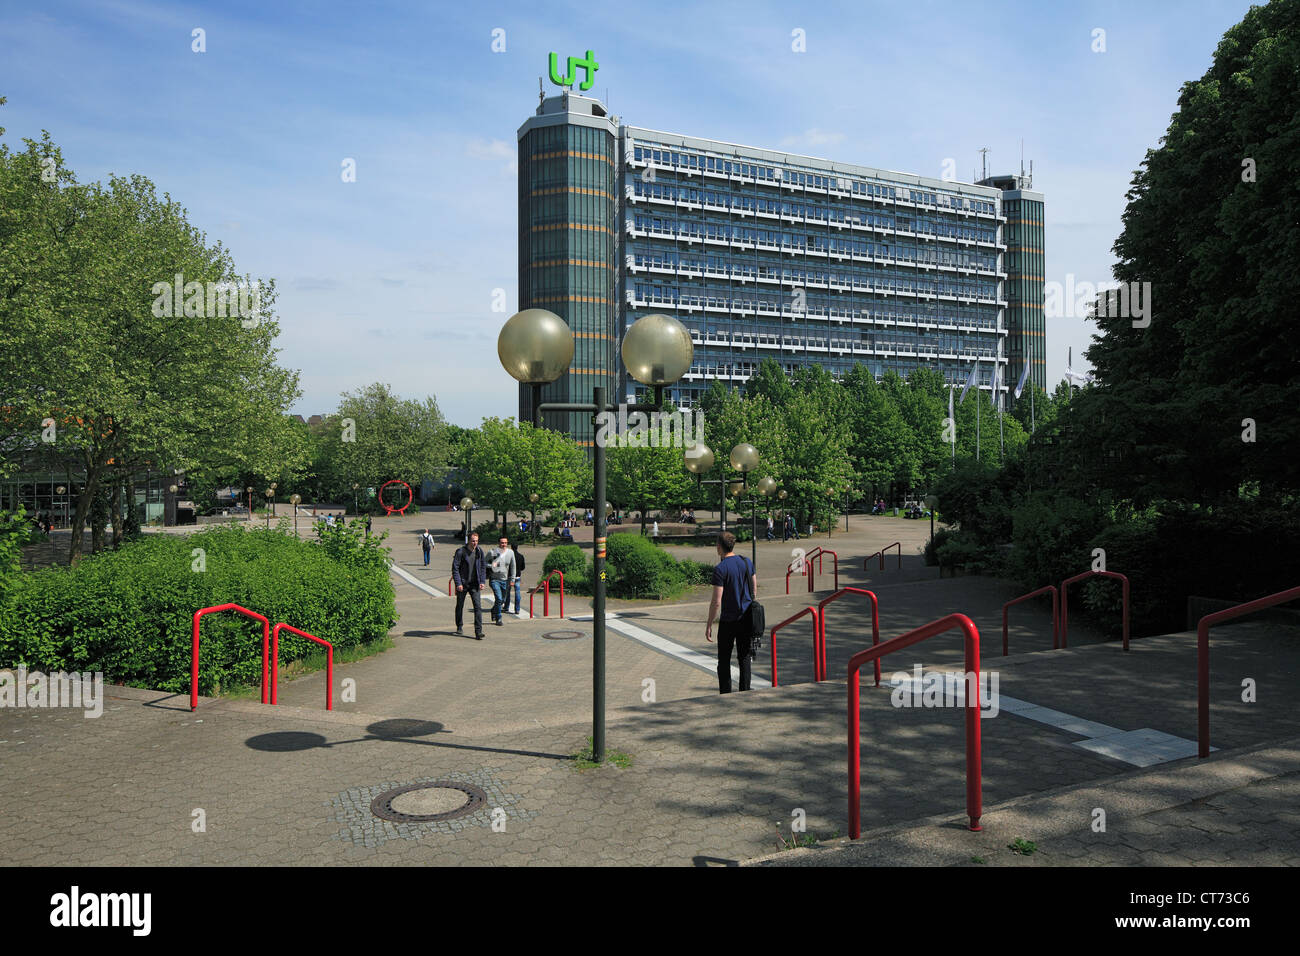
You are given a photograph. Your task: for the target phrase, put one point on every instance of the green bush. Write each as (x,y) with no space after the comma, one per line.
(129,613)
(568,559)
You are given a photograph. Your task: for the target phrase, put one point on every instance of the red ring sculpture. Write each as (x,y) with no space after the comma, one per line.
(410,496)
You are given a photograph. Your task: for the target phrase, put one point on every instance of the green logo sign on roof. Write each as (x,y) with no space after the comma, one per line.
(588,65)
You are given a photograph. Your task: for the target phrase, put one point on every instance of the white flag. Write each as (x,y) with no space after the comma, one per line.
(996,370)
(970,380)
(1024,376)
(1078,378)
(951,417)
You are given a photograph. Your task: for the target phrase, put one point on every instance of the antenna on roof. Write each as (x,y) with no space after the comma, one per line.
(1031,174)
(541,95)
(984,158)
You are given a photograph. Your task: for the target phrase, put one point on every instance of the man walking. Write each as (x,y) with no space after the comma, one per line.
(469,572)
(734,586)
(427,544)
(519,573)
(771,533)
(502,563)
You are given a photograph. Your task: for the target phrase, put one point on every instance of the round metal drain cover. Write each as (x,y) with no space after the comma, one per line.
(563,635)
(428,802)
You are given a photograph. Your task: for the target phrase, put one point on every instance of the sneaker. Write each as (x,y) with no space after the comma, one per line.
(478,636)
(498,623)
(460,631)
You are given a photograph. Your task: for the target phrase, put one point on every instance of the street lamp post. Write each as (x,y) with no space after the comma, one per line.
(249,489)
(532,520)
(273,498)
(699,460)
(356,506)
(536,347)
(294,500)
(765,487)
(930,502)
(269,493)
(467,506)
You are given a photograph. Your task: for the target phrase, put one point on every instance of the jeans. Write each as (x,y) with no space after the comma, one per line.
(736,634)
(518,606)
(476,600)
(426,557)
(500,591)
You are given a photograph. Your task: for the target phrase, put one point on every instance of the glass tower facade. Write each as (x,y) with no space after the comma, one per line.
(1026,272)
(567,236)
(764,254)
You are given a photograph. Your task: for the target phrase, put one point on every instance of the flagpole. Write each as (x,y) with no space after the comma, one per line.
(1002,448)
(978,402)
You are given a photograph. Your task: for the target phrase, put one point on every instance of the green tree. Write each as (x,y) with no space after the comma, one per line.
(645,478)
(1212,225)
(86,343)
(375,436)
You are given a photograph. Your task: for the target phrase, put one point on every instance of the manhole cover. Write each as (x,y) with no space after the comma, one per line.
(563,635)
(428,802)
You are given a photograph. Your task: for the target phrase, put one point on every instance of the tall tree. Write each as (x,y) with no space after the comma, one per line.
(1213,225)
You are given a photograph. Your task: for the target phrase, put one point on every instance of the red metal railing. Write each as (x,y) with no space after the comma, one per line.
(791,620)
(820,554)
(974,788)
(805,567)
(881,554)
(1056,615)
(275,662)
(1065,600)
(875,624)
(194,665)
(1203,656)
(545,585)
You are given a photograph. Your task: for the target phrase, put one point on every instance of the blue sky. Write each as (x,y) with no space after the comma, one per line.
(391,278)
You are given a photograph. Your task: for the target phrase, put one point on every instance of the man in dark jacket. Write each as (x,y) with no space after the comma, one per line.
(469,572)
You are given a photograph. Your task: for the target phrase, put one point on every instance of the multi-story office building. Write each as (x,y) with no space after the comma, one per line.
(1026,271)
(760,254)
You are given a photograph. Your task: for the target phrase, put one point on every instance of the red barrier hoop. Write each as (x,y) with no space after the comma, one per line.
(194,664)
(410,496)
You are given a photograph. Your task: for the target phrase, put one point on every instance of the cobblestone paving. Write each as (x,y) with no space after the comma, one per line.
(712,778)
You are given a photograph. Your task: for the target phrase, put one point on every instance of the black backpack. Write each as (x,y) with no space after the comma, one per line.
(519,562)
(757,616)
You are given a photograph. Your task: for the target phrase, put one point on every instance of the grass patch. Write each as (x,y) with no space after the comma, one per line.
(585,759)
(978,859)
(801,840)
(1022,847)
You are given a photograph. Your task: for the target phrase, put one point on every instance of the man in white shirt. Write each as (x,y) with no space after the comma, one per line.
(502,573)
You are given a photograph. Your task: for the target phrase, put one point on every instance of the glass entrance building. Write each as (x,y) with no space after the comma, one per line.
(763,254)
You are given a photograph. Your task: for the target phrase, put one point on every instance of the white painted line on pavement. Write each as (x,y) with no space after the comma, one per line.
(689,656)
(1141,748)
(489,599)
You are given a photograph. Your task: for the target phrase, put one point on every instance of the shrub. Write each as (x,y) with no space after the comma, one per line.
(568,559)
(129,613)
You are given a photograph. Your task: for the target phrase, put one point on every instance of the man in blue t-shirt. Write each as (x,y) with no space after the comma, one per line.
(734,586)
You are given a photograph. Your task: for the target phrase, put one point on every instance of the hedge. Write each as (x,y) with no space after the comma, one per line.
(129,613)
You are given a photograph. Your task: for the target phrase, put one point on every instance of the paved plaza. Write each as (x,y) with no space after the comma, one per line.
(713,780)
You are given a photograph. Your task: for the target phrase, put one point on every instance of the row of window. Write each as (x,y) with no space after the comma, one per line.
(722,166)
(738,267)
(757,303)
(870,281)
(678,228)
